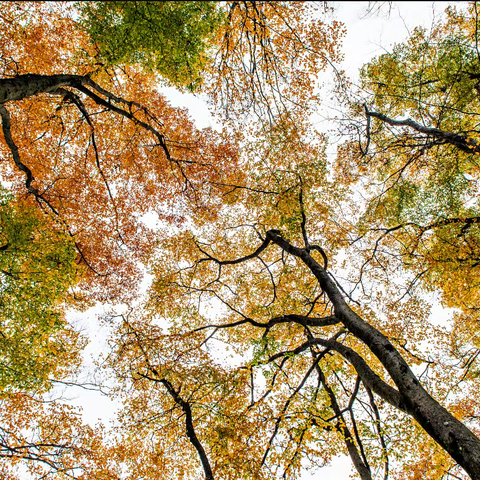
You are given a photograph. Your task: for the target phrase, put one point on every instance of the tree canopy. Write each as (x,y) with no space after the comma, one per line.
(287,318)
(38,270)
(420,148)
(172,38)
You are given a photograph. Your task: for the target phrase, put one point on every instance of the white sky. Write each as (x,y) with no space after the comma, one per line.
(366,38)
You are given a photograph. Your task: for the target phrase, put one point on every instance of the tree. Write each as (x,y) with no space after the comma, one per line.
(243,268)
(75,159)
(88,215)
(287,316)
(428,167)
(416,161)
(424,208)
(246,292)
(87,145)
(254,57)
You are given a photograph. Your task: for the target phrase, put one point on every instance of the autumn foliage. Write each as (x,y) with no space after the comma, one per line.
(287,319)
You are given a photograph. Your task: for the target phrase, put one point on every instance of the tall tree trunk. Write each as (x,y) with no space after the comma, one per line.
(443,427)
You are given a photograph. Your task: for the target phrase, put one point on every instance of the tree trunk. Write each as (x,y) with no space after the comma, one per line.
(443,427)
(24,86)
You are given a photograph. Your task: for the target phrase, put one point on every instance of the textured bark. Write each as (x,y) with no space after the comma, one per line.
(443,427)
(368,376)
(24,86)
(7,133)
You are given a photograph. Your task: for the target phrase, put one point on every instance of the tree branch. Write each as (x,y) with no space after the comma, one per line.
(190,429)
(300,319)
(462,142)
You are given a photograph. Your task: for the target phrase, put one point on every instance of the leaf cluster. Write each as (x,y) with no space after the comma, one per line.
(173,39)
(38,272)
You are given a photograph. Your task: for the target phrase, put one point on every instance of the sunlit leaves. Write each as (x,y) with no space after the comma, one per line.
(242,346)
(103,171)
(269,55)
(53,439)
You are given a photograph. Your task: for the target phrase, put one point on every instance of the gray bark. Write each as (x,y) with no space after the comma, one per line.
(443,427)
(462,142)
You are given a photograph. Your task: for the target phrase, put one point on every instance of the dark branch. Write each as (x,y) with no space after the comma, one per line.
(255,254)
(300,319)
(190,429)
(368,376)
(462,142)
(362,467)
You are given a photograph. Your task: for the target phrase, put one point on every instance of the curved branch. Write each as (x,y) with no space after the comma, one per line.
(300,319)
(255,254)
(459,441)
(7,133)
(100,101)
(368,376)
(6,127)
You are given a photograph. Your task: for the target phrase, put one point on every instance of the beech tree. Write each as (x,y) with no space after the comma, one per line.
(420,124)
(417,158)
(98,150)
(247,259)
(95,149)
(334,364)
(253,302)
(429,189)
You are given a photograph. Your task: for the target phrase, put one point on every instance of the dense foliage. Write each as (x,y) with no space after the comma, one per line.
(287,320)
(38,269)
(171,38)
